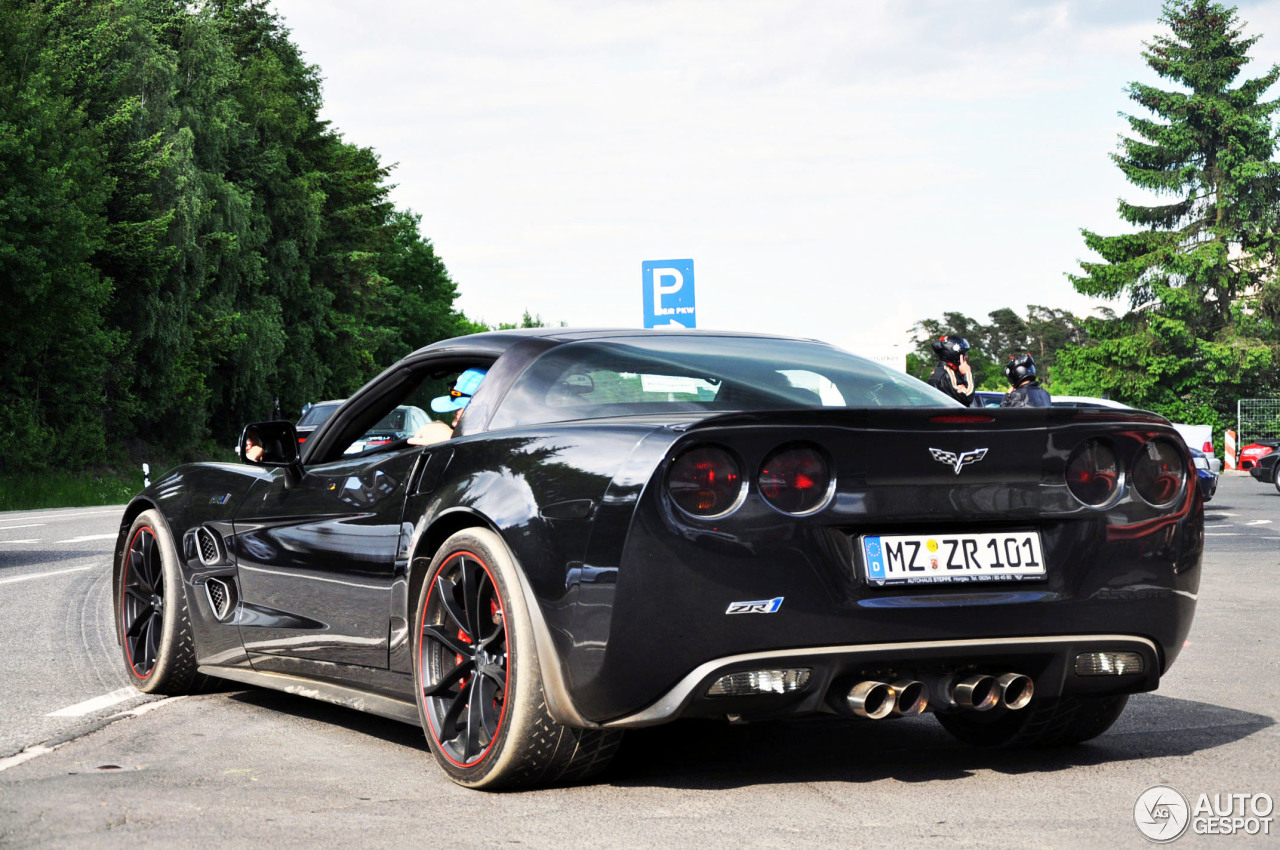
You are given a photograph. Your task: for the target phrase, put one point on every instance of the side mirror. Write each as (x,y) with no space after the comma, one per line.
(269,444)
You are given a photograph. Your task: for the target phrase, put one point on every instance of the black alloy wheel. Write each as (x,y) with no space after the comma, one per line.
(464,657)
(142,606)
(478,680)
(152,620)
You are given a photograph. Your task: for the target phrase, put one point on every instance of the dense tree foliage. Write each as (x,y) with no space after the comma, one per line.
(1199,272)
(184,244)
(1043,333)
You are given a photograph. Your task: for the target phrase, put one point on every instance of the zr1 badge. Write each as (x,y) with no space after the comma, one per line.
(760,606)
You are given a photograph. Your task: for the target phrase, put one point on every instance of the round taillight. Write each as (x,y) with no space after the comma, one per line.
(706,482)
(1093,473)
(796,479)
(1159,472)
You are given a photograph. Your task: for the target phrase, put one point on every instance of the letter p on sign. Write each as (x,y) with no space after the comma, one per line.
(668,293)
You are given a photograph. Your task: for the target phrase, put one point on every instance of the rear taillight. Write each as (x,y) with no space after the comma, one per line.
(1093,473)
(1159,472)
(1208,447)
(706,481)
(796,479)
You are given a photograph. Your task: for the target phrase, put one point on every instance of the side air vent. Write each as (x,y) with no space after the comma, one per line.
(222,597)
(209,546)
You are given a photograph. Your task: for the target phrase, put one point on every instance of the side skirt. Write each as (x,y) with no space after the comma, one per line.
(383,706)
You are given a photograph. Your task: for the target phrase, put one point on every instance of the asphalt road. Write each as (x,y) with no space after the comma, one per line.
(85,762)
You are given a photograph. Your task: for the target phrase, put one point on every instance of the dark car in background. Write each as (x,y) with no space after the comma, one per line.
(1205,476)
(315,415)
(1267,469)
(636,526)
(399,424)
(986,398)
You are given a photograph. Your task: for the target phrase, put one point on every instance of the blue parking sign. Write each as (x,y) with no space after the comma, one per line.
(667,286)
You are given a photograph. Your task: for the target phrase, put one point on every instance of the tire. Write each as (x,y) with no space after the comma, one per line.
(1275,476)
(473,637)
(1043,723)
(152,620)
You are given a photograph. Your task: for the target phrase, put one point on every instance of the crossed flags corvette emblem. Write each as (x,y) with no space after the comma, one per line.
(958,461)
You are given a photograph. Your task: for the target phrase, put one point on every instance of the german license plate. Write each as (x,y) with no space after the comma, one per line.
(946,558)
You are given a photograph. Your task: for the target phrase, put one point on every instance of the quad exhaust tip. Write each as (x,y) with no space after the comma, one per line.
(1016,690)
(979,693)
(873,700)
(877,700)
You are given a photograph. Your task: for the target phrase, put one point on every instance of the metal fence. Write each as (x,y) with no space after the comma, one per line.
(1257,419)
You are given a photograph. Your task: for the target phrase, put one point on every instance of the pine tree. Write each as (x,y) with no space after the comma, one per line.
(1199,274)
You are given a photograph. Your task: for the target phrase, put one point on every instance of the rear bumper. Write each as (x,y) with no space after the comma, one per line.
(1048,661)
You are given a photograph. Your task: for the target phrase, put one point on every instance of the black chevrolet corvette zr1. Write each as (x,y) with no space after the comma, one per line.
(630,527)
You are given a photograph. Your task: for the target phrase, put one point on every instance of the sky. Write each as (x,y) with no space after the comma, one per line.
(835,170)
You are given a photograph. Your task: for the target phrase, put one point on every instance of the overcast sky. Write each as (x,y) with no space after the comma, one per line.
(838,170)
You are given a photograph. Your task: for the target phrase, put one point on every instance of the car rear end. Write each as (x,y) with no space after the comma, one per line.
(874,563)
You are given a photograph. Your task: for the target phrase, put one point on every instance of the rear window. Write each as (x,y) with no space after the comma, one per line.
(393,421)
(675,373)
(319,413)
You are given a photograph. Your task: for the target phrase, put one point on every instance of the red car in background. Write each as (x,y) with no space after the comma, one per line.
(1254,452)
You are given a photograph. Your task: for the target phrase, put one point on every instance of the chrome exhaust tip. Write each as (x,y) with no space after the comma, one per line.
(910,697)
(980,693)
(1015,690)
(872,700)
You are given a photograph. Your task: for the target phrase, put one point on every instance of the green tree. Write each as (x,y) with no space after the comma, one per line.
(52,196)
(1044,333)
(1198,274)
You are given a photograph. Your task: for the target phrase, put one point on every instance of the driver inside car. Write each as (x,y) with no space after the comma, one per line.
(460,393)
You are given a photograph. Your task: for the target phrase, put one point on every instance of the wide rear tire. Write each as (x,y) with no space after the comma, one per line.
(1043,723)
(152,620)
(478,680)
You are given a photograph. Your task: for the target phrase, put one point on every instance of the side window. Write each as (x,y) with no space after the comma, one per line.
(813,388)
(578,386)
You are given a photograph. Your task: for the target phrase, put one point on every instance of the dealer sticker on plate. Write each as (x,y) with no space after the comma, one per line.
(944,558)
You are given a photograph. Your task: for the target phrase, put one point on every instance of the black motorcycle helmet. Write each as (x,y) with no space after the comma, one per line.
(1020,369)
(950,347)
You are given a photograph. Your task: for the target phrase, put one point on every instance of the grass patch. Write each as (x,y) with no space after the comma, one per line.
(55,488)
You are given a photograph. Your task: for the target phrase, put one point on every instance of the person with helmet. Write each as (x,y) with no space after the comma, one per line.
(460,393)
(952,375)
(1026,390)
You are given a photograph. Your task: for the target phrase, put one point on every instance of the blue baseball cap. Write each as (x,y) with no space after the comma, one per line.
(460,393)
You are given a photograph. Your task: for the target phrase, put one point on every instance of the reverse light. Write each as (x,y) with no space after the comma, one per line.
(796,479)
(1159,472)
(1093,473)
(706,482)
(761,682)
(1109,664)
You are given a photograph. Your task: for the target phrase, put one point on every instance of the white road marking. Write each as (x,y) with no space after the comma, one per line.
(117,511)
(28,525)
(43,575)
(87,538)
(1259,522)
(26,755)
(23,540)
(40,749)
(1222,534)
(80,709)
